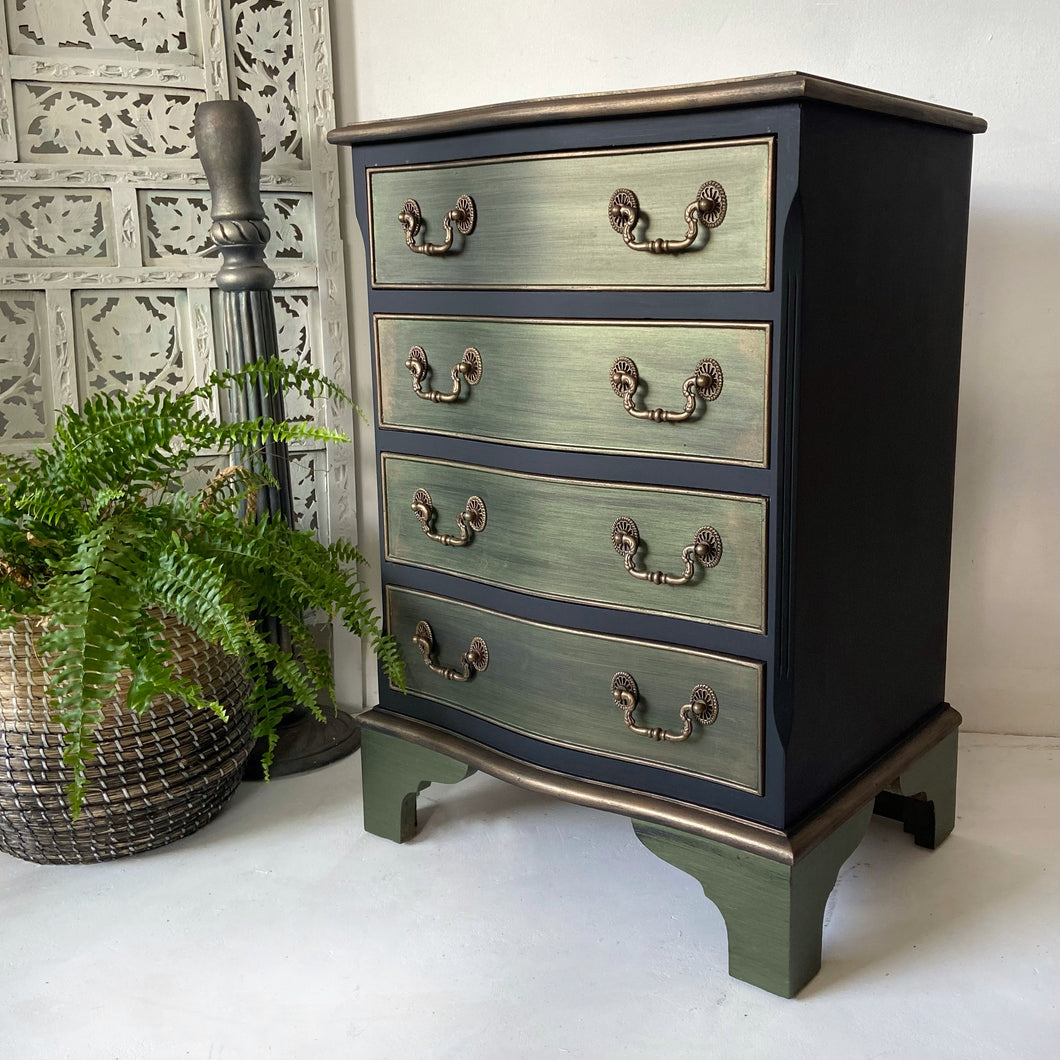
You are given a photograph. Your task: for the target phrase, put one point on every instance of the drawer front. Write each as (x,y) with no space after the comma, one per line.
(544,221)
(548,384)
(555,537)
(556,684)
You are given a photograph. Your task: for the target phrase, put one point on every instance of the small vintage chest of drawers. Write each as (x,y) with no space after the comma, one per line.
(666,391)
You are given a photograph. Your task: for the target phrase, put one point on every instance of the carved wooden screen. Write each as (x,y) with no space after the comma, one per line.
(105,264)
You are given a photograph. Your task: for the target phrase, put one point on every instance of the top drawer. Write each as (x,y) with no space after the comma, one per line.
(545,221)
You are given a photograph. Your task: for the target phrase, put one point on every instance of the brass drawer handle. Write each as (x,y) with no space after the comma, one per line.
(473,661)
(472,520)
(702,708)
(705,382)
(707,209)
(462,215)
(468,368)
(705,550)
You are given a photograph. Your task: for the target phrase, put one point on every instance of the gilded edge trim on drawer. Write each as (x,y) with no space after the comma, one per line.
(440,374)
(672,148)
(607,553)
(728,660)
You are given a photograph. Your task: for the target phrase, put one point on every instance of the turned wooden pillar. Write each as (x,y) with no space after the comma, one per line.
(229,145)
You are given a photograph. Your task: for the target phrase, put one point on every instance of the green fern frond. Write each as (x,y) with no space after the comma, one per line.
(283,377)
(98,533)
(247,434)
(93,613)
(152,674)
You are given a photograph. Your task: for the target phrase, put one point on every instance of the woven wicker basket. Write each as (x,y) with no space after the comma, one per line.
(155,778)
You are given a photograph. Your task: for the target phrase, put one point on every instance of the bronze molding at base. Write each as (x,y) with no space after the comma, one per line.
(761,840)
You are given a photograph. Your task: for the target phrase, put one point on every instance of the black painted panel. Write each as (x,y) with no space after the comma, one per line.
(884,205)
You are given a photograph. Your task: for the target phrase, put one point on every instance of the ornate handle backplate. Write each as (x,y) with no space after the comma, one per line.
(469,368)
(704,550)
(462,215)
(473,661)
(707,209)
(705,383)
(472,520)
(703,708)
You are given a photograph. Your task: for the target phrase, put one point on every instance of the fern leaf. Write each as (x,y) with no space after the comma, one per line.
(93,613)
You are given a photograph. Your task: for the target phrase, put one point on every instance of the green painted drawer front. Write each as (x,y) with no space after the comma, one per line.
(548,384)
(552,537)
(555,684)
(542,221)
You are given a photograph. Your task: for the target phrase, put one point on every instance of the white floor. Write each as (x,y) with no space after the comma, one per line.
(515,926)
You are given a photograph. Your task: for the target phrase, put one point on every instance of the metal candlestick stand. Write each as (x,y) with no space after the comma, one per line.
(229,145)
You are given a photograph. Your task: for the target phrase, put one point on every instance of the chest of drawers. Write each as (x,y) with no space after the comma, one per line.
(666,389)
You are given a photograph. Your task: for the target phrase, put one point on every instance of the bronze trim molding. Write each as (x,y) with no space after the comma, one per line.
(772,843)
(764,88)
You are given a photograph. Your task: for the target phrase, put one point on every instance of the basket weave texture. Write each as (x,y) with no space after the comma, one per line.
(156,777)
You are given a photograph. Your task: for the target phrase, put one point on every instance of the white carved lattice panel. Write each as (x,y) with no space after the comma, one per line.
(309,477)
(297,327)
(176,224)
(125,340)
(201,471)
(103,122)
(24,398)
(60,226)
(106,27)
(266,70)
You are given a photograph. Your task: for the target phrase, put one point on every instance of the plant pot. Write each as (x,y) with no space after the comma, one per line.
(156,777)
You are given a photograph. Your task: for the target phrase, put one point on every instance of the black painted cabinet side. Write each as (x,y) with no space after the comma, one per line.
(884,209)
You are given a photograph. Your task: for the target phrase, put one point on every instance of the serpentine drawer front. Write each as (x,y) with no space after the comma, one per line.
(558,537)
(556,684)
(560,384)
(547,221)
(659,377)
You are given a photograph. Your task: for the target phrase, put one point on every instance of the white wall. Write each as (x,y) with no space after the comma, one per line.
(1001,61)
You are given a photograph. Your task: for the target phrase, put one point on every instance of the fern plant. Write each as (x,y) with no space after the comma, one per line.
(100,537)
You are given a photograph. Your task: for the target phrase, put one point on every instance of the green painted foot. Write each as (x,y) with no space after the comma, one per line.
(774,912)
(393,773)
(923,798)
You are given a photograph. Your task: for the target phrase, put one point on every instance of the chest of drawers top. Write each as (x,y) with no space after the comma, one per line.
(740,91)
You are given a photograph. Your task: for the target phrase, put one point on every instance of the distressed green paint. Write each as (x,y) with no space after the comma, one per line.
(555,684)
(543,222)
(773,912)
(553,537)
(548,384)
(393,773)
